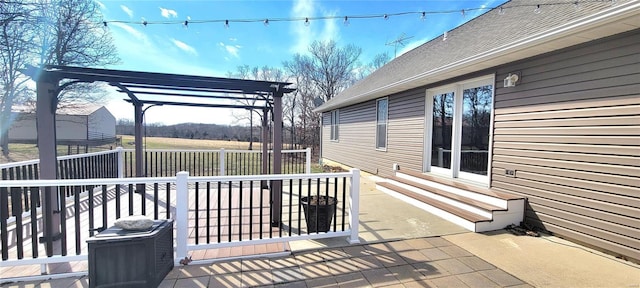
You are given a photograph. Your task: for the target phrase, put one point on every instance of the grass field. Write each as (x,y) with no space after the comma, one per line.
(23,152)
(180,143)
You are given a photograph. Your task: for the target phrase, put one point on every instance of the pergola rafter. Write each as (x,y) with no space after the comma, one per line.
(184,90)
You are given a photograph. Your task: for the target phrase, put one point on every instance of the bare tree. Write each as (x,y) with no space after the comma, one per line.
(265,73)
(50,32)
(70,33)
(15,49)
(319,76)
(329,66)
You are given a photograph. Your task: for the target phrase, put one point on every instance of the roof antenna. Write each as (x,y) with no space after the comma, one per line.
(398,41)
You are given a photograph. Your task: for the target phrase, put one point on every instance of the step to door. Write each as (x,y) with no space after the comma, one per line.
(475,208)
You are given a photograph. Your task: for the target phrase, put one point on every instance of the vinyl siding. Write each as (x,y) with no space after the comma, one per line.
(571,131)
(356,144)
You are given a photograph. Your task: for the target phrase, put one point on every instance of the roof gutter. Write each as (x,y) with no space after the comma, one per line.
(589,22)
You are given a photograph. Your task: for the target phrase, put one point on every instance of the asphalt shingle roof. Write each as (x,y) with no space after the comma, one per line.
(486,32)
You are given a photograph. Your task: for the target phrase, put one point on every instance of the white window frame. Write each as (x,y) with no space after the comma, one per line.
(335,125)
(386,130)
(458,89)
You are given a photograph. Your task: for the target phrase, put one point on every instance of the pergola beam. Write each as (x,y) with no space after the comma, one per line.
(172,103)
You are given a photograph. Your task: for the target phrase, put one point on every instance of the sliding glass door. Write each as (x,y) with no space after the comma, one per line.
(458,129)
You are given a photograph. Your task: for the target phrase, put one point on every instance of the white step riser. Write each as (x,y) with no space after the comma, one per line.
(446,200)
(433,210)
(476,196)
(501,219)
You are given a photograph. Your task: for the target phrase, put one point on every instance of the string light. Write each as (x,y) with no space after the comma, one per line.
(444,36)
(186,23)
(537,8)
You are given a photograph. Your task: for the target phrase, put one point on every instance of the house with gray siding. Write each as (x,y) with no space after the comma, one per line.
(515,117)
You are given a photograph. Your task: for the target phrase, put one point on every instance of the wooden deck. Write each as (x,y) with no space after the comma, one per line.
(227,202)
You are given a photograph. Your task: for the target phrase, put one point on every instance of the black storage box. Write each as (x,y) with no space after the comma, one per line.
(123,258)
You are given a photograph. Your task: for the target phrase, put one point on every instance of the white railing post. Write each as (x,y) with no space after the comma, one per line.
(221,162)
(182,215)
(354,201)
(120,152)
(307,167)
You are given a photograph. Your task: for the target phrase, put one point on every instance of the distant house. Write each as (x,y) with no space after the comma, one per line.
(544,106)
(85,126)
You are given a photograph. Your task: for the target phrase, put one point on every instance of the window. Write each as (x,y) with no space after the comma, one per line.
(459,126)
(382,119)
(335,124)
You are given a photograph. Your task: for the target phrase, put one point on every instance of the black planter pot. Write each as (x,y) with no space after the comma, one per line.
(319,212)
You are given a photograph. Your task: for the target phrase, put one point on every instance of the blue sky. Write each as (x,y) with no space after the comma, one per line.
(211,49)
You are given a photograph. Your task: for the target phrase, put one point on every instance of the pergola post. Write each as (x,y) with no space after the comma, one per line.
(137,106)
(47,100)
(276,189)
(265,145)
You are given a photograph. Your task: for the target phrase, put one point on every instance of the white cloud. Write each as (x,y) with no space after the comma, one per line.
(322,30)
(168,13)
(184,47)
(127,10)
(232,50)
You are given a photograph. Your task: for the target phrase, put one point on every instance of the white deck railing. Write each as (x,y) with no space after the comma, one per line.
(179,198)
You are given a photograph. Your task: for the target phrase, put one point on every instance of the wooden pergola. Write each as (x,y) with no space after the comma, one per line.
(141,88)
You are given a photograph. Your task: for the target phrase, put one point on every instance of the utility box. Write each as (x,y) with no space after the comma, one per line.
(125,258)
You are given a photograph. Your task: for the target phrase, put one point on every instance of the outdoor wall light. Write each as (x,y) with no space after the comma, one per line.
(511,80)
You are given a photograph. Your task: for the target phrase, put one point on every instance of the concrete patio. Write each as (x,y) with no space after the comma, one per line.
(402,246)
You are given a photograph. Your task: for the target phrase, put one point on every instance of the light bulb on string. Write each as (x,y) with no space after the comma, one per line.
(266,22)
(346,21)
(462,13)
(445,35)
(501,11)
(306,22)
(423,16)
(576,5)
(386,17)
(226,24)
(538,10)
